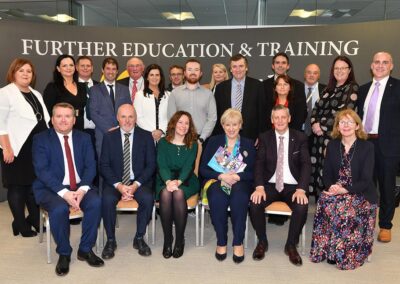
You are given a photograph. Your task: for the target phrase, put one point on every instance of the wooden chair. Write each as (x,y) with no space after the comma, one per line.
(45,220)
(281,208)
(131,206)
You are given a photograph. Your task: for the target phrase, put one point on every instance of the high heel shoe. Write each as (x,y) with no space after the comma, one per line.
(26,234)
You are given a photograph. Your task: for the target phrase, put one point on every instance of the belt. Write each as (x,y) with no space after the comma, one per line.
(373,136)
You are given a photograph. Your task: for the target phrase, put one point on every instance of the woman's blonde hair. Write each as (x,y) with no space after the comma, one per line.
(220,66)
(360,133)
(231,114)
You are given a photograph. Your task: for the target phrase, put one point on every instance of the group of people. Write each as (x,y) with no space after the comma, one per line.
(254,143)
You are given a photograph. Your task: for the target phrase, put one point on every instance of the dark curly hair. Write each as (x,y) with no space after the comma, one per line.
(191,135)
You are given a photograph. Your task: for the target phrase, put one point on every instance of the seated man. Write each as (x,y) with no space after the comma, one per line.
(65,167)
(127,165)
(282,173)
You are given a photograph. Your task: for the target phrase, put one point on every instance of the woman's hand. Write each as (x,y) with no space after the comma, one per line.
(316,129)
(172,185)
(336,189)
(8,155)
(229,178)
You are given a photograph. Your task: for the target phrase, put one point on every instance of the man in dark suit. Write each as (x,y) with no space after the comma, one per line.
(127,165)
(105,99)
(135,81)
(280,65)
(312,91)
(378,107)
(282,172)
(245,94)
(65,167)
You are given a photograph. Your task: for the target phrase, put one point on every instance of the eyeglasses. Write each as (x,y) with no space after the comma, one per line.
(341,68)
(346,122)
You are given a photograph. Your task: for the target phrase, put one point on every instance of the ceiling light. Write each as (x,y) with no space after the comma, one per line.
(178,16)
(62,18)
(305,14)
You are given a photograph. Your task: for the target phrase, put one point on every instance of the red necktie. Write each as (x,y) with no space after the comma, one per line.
(71,168)
(134,90)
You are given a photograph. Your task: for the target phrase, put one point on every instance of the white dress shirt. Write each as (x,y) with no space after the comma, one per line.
(287,175)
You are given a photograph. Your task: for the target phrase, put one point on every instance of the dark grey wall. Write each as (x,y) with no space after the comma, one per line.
(42,43)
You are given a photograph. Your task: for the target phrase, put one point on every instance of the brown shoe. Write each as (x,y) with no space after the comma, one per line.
(260,250)
(294,256)
(384,235)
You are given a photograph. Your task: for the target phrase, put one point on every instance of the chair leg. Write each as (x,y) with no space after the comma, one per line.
(197,225)
(203,208)
(303,240)
(48,240)
(98,240)
(41,216)
(153,225)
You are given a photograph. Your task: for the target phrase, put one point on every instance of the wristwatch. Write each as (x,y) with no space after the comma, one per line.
(201,140)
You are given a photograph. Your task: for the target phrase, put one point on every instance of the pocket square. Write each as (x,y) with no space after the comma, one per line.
(294,153)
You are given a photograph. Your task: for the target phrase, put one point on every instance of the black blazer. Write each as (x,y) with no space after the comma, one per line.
(124,81)
(362,168)
(389,116)
(299,158)
(297,107)
(247,150)
(253,107)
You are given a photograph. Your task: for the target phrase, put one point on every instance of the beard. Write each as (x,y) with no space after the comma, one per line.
(193,80)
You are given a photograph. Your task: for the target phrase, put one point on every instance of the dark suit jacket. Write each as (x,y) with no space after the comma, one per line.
(124,81)
(143,157)
(247,150)
(299,158)
(389,116)
(362,168)
(48,162)
(253,107)
(297,107)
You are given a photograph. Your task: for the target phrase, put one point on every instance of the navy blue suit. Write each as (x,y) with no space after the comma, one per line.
(238,200)
(102,111)
(48,161)
(111,169)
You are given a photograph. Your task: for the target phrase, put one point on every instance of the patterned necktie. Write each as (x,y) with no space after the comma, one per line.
(238,97)
(112,96)
(134,90)
(279,166)
(126,176)
(70,162)
(307,124)
(369,121)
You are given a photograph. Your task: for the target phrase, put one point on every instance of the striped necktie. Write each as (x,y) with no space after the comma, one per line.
(279,166)
(238,97)
(126,177)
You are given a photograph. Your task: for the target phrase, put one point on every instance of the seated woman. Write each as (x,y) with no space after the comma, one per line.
(176,182)
(228,184)
(346,211)
(283,95)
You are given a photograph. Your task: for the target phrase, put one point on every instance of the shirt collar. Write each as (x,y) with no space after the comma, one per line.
(285,135)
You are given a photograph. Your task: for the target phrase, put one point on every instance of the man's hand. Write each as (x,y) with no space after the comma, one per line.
(132,188)
(156,134)
(300,197)
(79,194)
(258,195)
(8,155)
(70,197)
(316,129)
(124,190)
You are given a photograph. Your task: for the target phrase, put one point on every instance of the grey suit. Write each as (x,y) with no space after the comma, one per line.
(102,111)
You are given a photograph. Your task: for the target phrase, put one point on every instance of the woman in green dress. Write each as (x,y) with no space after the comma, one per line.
(176,181)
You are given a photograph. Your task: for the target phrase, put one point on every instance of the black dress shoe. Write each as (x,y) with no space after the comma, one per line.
(62,267)
(294,256)
(220,256)
(141,246)
(90,258)
(237,259)
(178,250)
(330,261)
(260,250)
(167,251)
(75,221)
(109,248)
(25,234)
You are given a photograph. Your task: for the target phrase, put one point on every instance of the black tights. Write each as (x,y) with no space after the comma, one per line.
(18,196)
(173,209)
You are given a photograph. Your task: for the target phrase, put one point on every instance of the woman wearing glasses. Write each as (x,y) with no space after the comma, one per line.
(346,211)
(341,93)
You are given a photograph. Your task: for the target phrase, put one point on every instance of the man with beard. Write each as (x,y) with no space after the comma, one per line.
(195,99)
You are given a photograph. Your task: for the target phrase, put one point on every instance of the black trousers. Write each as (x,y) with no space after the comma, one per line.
(385,177)
(297,220)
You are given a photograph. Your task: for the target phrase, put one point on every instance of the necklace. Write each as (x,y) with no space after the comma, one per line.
(35,107)
(352,154)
